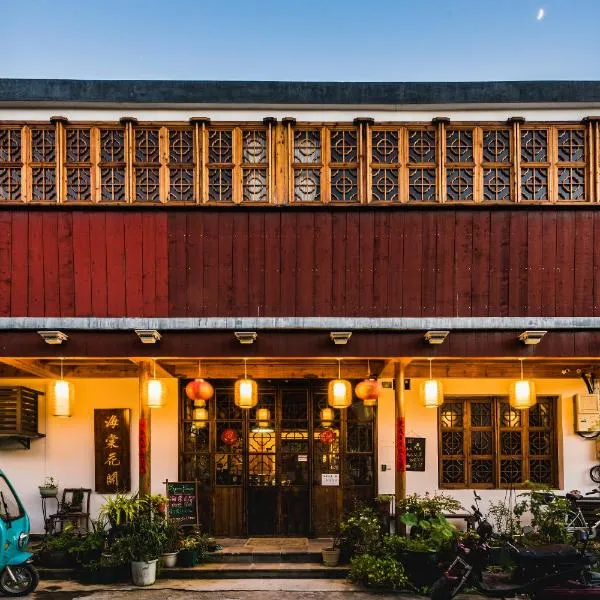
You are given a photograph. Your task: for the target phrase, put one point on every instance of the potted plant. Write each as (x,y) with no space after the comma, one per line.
(172,534)
(55,551)
(120,508)
(49,489)
(140,543)
(331,554)
(188,551)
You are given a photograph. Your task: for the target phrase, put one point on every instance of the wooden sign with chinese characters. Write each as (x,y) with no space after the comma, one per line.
(415,454)
(112,450)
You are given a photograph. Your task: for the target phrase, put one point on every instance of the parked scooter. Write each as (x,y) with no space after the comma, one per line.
(549,572)
(18,576)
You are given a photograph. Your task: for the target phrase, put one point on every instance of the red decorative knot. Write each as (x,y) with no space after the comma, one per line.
(368,390)
(327,436)
(199,389)
(229,437)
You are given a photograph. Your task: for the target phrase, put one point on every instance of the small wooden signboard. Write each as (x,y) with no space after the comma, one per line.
(183,502)
(415,454)
(112,450)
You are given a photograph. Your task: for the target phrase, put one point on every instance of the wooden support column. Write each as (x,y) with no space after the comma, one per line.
(145,462)
(400,445)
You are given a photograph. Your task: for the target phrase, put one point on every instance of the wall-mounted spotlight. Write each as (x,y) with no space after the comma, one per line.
(246,337)
(148,336)
(340,338)
(54,337)
(436,337)
(532,337)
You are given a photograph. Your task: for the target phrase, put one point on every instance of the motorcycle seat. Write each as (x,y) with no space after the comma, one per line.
(551,552)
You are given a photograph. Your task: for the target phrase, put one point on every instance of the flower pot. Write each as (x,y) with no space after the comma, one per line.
(188,558)
(421,567)
(47,491)
(331,556)
(143,573)
(169,559)
(162,508)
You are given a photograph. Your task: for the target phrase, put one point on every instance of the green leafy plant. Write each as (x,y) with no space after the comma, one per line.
(503,519)
(378,572)
(397,545)
(60,542)
(142,539)
(172,535)
(120,508)
(360,531)
(435,530)
(424,507)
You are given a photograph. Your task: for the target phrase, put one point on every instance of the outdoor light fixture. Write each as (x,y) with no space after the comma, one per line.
(61,393)
(155,391)
(246,337)
(532,337)
(522,393)
(263,418)
(432,393)
(339,391)
(245,391)
(54,337)
(200,414)
(368,389)
(436,337)
(148,336)
(327,416)
(340,338)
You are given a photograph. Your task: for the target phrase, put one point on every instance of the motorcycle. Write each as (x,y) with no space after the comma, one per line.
(546,573)
(18,577)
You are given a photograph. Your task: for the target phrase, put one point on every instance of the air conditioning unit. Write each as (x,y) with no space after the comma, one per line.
(587,412)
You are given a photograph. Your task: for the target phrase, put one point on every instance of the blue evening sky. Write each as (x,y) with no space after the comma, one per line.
(337,40)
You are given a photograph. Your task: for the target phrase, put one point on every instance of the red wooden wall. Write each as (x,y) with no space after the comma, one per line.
(206,262)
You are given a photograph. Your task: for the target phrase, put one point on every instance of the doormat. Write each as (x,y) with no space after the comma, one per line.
(279,543)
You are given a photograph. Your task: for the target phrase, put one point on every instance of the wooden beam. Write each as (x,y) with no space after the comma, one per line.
(497,369)
(145,431)
(400,424)
(155,366)
(31,367)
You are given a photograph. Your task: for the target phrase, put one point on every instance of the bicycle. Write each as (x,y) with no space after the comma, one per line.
(575,518)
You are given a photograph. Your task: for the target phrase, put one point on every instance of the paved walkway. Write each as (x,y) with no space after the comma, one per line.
(214,589)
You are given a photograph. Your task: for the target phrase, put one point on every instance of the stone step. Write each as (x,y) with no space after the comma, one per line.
(273,556)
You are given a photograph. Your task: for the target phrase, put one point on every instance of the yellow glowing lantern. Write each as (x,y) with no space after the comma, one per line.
(339,392)
(61,393)
(327,417)
(245,391)
(432,393)
(263,418)
(522,393)
(155,390)
(200,417)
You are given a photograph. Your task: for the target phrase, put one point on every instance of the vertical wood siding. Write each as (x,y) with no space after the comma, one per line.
(432,262)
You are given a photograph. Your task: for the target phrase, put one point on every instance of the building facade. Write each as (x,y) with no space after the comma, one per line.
(206,212)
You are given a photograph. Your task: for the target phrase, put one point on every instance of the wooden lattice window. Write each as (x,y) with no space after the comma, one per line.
(112,164)
(460,164)
(485,443)
(255,165)
(497,164)
(422,161)
(78,164)
(42,164)
(181,165)
(146,156)
(11,163)
(571,156)
(343,164)
(385,165)
(220,165)
(307,164)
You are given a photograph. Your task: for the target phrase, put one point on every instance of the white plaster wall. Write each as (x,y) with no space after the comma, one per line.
(399,113)
(67,451)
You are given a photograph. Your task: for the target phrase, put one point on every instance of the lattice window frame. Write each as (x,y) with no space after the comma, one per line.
(177,170)
(34,164)
(11,165)
(414,166)
(459,168)
(89,166)
(388,170)
(496,165)
(497,429)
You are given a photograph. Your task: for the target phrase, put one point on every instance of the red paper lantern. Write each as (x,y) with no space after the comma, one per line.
(327,436)
(199,389)
(229,437)
(368,390)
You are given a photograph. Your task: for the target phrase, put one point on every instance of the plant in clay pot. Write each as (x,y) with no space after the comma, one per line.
(50,488)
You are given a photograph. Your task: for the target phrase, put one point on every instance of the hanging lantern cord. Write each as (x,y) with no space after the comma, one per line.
(430,368)
(245,368)
(199,369)
(368,368)
(339,368)
(61,367)
(154,365)
(521,368)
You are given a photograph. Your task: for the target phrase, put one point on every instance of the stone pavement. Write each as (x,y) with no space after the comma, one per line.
(213,589)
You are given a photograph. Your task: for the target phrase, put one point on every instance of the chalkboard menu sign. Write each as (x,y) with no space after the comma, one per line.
(183,502)
(415,454)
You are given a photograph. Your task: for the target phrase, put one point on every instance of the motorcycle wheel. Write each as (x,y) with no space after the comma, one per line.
(441,589)
(27,579)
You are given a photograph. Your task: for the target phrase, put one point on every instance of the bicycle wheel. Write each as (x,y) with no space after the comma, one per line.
(595,474)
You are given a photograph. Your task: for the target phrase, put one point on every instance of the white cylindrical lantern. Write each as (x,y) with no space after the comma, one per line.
(245,391)
(61,392)
(339,393)
(200,417)
(327,417)
(263,416)
(432,393)
(155,393)
(522,394)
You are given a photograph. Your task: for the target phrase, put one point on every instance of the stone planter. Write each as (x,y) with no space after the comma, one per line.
(143,573)
(169,559)
(48,491)
(331,556)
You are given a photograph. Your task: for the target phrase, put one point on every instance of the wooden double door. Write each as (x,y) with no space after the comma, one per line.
(280,475)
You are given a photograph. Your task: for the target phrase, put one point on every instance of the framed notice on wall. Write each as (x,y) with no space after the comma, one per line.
(112,449)
(415,454)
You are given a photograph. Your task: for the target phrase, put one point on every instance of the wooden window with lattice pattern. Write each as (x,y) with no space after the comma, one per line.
(112,164)
(386,180)
(43,164)
(461,145)
(497,160)
(344,171)
(147,164)
(422,164)
(11,164)
(182,180)
(308,165)
(79,173)
(485,443)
